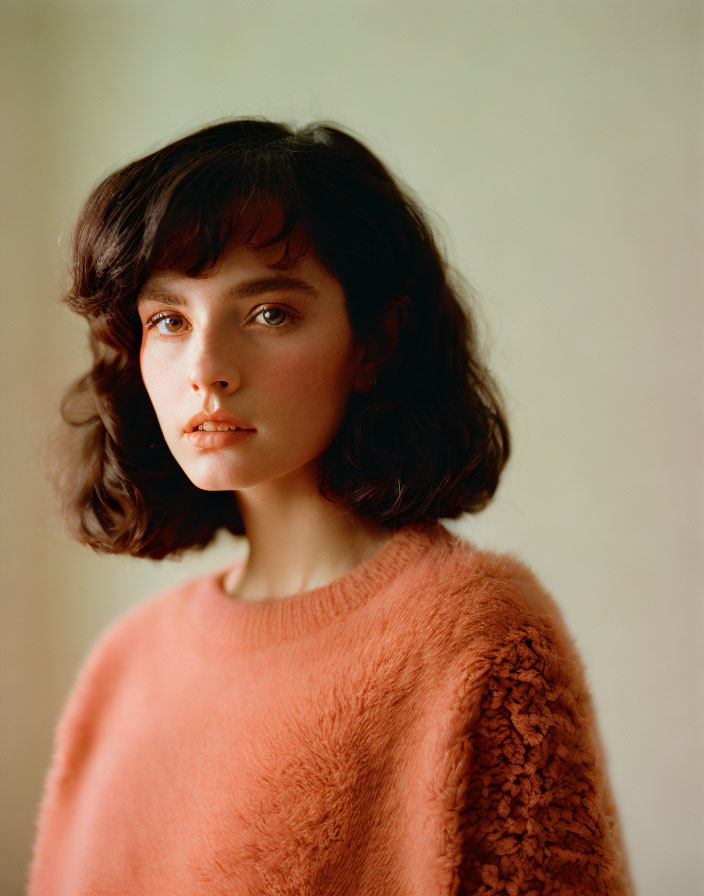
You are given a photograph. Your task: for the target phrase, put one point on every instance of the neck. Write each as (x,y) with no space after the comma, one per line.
(298,540)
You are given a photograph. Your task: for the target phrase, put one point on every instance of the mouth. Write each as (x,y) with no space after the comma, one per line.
(218,427)
(207,436)
(217,422)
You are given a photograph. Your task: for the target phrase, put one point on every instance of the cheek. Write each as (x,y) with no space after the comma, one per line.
(321,376)
(155,379)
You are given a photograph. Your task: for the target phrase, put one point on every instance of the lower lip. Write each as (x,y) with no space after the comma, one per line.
(202,439)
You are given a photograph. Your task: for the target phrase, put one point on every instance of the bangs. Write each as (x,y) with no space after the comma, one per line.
(188,224)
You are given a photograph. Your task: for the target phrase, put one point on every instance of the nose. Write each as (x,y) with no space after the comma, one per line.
(213,367)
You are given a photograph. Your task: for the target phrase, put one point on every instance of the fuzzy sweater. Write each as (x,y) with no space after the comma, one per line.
(418,727)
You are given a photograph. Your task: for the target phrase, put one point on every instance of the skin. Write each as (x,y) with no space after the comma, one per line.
(288,373)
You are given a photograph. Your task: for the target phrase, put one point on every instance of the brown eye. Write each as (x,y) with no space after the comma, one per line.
(274,317)
(167,324)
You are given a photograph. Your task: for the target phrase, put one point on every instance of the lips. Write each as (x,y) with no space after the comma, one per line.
(217,440)
(217,419)
(210,426)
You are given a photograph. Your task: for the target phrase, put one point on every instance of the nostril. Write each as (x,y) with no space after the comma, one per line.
(223,384)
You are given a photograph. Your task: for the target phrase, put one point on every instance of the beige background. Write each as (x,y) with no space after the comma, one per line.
(559,147)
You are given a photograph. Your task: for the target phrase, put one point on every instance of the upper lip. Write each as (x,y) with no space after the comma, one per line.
(217,417)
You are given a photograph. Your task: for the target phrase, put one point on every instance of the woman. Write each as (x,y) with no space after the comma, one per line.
(365,703)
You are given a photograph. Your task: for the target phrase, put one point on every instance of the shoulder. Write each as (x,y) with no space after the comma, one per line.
(496,589)
(513,657)
(494,605)
(125,655)
(150,613)
(128,639)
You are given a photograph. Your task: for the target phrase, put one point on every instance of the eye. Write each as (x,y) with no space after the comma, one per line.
(276,318)
(166,323)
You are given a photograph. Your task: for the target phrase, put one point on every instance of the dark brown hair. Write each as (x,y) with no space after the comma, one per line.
(428,442)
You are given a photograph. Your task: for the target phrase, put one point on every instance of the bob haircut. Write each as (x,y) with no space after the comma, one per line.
(429,441)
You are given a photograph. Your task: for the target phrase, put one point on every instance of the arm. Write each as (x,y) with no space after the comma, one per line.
(538,816)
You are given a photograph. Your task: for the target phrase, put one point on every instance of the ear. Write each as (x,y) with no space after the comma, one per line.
(382,345)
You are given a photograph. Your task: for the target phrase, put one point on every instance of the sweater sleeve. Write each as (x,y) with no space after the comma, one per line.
(538,817)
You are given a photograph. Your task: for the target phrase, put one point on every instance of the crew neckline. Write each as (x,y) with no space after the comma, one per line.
(231,620)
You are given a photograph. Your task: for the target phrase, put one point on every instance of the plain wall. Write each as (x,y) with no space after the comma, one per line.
(558,147)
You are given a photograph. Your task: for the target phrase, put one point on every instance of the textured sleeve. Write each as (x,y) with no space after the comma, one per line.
(538,816)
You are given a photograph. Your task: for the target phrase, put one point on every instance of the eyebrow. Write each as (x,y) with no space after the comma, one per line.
(246,290)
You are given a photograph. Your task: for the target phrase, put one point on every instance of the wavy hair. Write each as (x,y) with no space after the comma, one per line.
(429,442)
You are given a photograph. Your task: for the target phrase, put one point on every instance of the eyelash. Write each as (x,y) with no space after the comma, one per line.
(165,315)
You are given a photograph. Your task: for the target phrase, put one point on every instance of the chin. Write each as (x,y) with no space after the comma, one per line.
(210,473)
(210,480)
(210,487)
(215,483)
(214,472)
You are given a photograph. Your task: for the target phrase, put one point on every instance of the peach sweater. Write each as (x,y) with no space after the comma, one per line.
(418,727)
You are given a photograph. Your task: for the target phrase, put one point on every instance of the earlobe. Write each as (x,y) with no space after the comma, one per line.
(381,348)
(365,378)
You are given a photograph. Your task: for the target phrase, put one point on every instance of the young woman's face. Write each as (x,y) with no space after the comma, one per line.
(270,350)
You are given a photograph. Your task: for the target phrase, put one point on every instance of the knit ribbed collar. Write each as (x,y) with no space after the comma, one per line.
(229,620)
